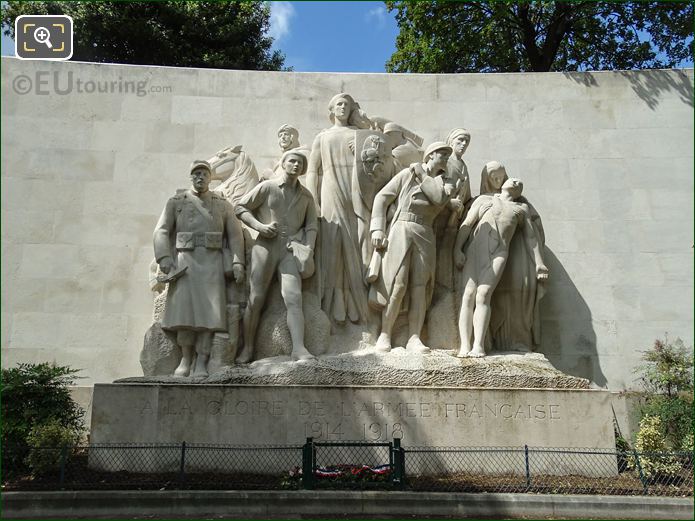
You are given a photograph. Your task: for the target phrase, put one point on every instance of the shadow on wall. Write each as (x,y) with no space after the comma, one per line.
(568,338)
(647,84)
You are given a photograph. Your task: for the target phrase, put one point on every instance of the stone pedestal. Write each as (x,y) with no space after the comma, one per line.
(144,413)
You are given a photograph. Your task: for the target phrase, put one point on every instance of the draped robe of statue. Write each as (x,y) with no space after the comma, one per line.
(447,222)
(342,287)
(515,318)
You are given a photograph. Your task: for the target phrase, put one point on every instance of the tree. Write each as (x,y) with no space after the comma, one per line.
(490,36)
(226,35)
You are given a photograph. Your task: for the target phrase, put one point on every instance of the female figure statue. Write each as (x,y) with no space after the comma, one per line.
(332,181)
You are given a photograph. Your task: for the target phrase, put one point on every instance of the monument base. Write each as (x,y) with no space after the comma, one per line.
(281,416)
(399,368)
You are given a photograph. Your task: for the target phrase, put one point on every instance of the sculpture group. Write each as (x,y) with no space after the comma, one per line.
(376,229)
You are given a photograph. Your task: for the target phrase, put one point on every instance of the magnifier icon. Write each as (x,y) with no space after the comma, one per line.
(42,35)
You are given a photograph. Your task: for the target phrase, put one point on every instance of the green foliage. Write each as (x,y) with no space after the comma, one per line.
(667,379)
(32,395)
(688,443)
(48,443)
(676,415)
(651,440)
(489,36)
(224,35)
(621,444)
(668,369)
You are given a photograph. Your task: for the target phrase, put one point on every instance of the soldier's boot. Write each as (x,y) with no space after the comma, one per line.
(203,347)
(246,354)
(201,366)
(184,367)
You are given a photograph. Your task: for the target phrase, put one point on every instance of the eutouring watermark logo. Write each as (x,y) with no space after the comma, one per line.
(62,83)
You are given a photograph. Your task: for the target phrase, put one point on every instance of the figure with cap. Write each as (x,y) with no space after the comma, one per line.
(198,243)
(332,180)
(482,249)
(283,213)
(459,139)
(407,244)
(288,139)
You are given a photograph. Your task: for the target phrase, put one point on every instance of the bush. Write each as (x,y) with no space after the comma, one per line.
(667,379)
(688,443)
(676,415)
(669,368)
(650,441)
(47,442)
(32,395)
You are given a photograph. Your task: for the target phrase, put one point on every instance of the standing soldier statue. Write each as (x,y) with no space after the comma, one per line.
(408,246)
(198,243)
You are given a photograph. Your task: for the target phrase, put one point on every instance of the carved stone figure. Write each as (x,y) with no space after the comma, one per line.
(332,182)
(369,177)
(459,139)
(515,321)
(288,139)
(409,253)
(235,171)
(493,221)
(197,243)
(283,213)
(404,144)
(447,222)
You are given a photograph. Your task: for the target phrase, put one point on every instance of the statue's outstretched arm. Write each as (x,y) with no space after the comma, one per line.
(533,246)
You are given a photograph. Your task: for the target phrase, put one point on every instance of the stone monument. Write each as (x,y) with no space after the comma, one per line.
(340,336)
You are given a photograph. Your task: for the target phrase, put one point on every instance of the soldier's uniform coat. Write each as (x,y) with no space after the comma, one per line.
(193,230)
(419,199)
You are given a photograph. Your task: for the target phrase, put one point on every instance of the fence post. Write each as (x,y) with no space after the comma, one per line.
(399,464)
(642,478)
(528,467)
(63,458)
(308,464)
(182,465)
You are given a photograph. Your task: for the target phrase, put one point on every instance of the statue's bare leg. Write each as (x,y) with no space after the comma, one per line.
(392,308)
(483,298)
(202,347)
(291,289)
(186,340)
(262,273)
(466,317)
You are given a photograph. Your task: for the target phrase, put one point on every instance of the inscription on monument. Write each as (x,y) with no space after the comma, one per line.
(359,419)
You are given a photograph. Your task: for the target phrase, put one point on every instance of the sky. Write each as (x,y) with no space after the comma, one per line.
(353,36)
(327,36)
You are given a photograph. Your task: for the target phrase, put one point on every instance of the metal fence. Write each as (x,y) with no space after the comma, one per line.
(349,465)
